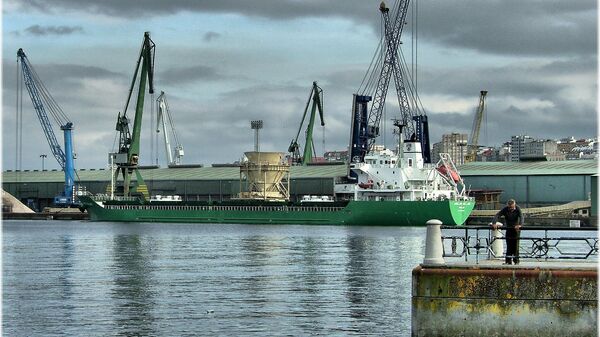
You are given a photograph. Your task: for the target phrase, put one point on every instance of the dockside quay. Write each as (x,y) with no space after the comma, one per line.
(530,183)
(462,288)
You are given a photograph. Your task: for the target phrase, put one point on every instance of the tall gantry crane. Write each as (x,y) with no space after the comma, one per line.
(163,117)
(127,157)
(365,122)
(316,96)
(473,144)
(43,103)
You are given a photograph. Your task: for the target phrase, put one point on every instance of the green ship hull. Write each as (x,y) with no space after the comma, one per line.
(354,213)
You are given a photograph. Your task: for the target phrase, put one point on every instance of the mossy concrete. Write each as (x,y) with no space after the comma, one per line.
(496,301)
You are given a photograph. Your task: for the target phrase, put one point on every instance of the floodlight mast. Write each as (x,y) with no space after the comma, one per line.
(256,126)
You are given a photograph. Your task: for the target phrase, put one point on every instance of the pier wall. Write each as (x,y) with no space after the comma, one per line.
(477,301)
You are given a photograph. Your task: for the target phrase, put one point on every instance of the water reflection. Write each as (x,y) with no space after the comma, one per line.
(133,294)
(65,276)
(358,270)
(218,280)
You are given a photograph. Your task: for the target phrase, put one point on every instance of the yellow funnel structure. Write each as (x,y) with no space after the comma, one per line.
(264,174)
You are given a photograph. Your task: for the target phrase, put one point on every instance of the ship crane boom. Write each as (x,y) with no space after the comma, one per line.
(389,63)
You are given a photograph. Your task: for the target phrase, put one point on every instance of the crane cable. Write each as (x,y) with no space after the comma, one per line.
(55,110)
(374,67)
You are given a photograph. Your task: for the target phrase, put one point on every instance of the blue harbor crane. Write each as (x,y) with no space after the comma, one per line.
(389,63)
(43,104)
(316,96)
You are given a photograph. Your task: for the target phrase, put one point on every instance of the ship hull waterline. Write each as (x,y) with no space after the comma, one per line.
(355,213)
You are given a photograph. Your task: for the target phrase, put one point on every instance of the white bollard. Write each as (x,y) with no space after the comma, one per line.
(433,243)
(497,245)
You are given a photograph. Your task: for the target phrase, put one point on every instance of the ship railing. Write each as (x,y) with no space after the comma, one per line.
(227,208)
(106,197)
(482,243)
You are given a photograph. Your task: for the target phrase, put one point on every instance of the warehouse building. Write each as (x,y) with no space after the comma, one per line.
(533,184)
(38,188)
(530,183)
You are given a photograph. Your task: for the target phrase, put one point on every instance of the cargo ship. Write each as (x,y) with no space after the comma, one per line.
(392,188)
(383,187)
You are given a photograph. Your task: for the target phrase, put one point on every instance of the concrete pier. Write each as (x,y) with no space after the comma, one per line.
(490,299)
(542,296)
(496,300)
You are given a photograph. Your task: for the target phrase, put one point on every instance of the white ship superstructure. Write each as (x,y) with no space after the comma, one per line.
(403,176)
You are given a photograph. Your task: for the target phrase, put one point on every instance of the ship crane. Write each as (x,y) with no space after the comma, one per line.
(316,97)
(365,122)
(164,117)
(44,103)
(473,144)
(127,157)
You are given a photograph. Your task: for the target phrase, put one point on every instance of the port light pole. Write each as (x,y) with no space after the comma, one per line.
(43,156)
(256,125)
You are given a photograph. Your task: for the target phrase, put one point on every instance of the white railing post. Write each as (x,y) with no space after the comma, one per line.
(433,243)
(497,244)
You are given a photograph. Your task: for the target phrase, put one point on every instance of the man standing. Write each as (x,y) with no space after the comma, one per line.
(514,221)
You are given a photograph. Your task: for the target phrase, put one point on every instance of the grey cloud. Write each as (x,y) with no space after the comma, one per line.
(53,30)
(273,9)
(189,74)
(57,75)
(518,79)
(514,27)
(209,36)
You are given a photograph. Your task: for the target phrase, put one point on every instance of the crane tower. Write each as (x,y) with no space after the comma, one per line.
(473,144)
(163,118)
(127,157)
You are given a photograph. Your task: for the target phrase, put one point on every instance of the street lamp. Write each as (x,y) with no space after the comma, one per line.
(43,156)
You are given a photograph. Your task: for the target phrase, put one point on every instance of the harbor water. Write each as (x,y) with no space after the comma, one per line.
(79,278)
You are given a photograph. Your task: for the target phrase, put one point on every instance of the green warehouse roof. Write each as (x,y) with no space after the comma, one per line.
(184,173)
(563,167)
(567,167)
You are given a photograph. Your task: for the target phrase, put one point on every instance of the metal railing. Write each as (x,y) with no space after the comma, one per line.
(536,243)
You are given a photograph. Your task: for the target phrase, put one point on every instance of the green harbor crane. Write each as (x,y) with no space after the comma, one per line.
(127,157)
(316,97)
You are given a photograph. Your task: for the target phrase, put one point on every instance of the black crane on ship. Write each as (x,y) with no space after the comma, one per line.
(389,62)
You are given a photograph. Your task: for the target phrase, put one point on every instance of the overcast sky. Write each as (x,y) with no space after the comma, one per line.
(224,63)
